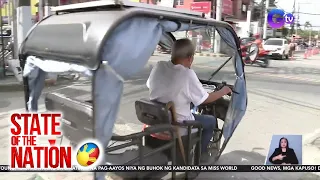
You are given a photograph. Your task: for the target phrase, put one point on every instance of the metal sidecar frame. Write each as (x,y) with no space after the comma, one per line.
(88,38)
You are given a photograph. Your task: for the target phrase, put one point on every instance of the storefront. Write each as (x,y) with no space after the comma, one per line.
(65,2)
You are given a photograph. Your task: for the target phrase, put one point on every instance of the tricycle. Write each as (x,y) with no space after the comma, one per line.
(110,42)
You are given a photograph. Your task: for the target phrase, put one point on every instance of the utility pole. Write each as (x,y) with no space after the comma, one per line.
(265,19)
(5,5)
(261,16)
(310,31)
(212,15)
(218,18)
(2,63)
(47,6)
(9,10)
(249,14)
(24,19)
(297,21)
(22,22)
(40,9)
(213,9)
(293,12)
(15,29)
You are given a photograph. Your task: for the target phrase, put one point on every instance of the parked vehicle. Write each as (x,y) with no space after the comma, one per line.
(278,47)
(164,50)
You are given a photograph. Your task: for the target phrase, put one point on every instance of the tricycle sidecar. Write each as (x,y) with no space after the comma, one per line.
(100,40)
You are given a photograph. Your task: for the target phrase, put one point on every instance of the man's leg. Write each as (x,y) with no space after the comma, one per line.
(209,123)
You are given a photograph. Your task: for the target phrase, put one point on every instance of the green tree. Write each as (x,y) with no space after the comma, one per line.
(272,3)
(307,24)
(285,31)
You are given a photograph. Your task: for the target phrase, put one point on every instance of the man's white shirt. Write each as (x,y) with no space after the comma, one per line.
(168,82)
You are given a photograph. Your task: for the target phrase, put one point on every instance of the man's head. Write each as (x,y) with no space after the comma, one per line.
(182,52)
(257,36)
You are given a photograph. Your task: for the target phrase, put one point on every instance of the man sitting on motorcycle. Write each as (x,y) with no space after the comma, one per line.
(175,81)
(258,41)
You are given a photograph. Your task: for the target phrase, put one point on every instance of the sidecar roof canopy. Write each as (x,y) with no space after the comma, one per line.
(114,40)
(123,3)
(77,33)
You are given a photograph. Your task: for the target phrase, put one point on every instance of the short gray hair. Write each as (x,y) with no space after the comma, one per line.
(181,49)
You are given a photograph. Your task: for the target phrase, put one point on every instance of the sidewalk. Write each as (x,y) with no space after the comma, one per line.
(205,53)
(10,83)
(314,57)
(313,60)
(208,54)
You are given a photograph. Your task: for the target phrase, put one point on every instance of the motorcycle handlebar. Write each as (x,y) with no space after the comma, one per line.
(224,83)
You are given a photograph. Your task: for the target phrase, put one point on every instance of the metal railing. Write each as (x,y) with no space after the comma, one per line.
(5,54)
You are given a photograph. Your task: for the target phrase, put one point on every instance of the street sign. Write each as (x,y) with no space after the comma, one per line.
(204,7)
(167,3)
(3,2)
(227,7)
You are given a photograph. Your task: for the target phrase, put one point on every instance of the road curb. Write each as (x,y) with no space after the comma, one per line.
(198,54)
(211,55)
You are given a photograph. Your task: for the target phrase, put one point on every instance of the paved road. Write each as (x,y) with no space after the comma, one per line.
(280,102)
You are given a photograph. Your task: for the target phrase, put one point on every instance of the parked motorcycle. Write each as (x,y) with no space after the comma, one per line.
(163,50)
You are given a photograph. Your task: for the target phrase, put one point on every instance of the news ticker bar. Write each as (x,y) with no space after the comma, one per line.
(168,168)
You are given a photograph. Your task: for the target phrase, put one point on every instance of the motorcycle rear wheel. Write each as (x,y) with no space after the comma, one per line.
(265,63)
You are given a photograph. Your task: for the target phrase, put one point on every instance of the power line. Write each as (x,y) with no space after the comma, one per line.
(302,25)
(308,13)
(314,14)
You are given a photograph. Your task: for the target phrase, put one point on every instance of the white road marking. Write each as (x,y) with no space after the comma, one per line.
(289,77)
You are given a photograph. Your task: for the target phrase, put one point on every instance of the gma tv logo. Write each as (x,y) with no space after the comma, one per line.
(277,18)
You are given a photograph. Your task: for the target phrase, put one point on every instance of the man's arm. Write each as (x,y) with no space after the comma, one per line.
(151,75)
(199,95)
(213,96)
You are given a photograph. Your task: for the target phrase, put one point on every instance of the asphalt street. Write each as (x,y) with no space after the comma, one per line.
(282,99)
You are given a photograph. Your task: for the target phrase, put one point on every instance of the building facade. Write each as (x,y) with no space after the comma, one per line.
(231,9)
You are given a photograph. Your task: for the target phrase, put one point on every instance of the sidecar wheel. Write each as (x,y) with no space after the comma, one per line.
(214,147)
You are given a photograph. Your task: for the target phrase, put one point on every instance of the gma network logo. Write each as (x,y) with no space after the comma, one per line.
(277,18)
